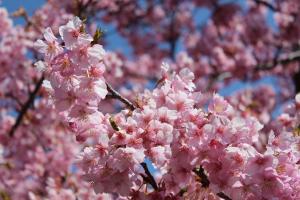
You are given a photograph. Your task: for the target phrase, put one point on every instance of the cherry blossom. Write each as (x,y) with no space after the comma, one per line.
(84,116)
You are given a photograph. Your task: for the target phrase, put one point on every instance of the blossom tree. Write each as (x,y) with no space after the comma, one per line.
(147,121)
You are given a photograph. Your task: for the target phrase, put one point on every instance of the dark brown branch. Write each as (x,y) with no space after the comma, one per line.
(81,8)
(205,182)
(285,59)
(26,106)
(296,79)
(14,98)
(149,178)
(223,196)
(116,95)
(267,4)
(21,12)
(203,178)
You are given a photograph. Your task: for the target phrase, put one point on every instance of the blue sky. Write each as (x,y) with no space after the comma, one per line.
(29,5)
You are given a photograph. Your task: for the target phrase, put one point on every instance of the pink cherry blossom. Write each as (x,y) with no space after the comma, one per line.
(51,47)
(146,119)
(72,34)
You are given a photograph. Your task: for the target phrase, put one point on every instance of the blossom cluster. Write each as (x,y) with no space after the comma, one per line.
(184,142)
(236,42)
(75,73)
(37,156)
(179,140)
(250,102)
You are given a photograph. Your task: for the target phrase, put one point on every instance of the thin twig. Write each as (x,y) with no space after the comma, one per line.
(205,182)
(278,59)
(203,178)
(223,196)
(21,12)
(26,106)
(116,95)
(267,4)
(10,95)
(285,59)
(149,179)
(296,80)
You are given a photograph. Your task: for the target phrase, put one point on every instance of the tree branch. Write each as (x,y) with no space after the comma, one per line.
(296,79)
(287,58)
(149,179)
(26,106)
(223,196)
(14,98)
(21,12)
(203,178)
(267,4)
(205,182)
(114,94)
(117,95)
